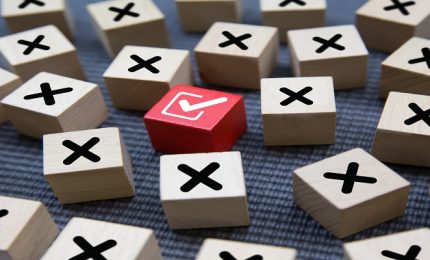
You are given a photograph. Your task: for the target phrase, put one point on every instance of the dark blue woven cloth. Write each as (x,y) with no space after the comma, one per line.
(276,220)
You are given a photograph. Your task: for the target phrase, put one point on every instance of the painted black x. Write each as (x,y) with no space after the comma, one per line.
(293,96)
(287,2)
(123,12)
(238,41)
(425,58)
(83,151)
(3,212)
(92,252)
(31,46)
(227,256)
(147,64)
(329,43)
(399,5)
(26,3)
(48,94)
(200,177)
(412,254)
(420,115)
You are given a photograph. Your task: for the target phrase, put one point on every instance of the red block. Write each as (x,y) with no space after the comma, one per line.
(191,120)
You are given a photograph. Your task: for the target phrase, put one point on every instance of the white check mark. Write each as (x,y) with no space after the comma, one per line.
(185,105)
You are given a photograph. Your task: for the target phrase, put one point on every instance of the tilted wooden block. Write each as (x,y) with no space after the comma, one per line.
(88,165)
(350,192)
(93,239)
(49,103)
(237,55)
(293,108)
(26,227)
(135,22)
(140,76)
(203,190)
(387,24)
(8,83)
(336,51)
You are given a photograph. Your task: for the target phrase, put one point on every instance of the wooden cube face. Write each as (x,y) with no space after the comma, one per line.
(140,76)
(237,55)
(27,229)
(92,239)
(337,51)
(292,108)
(377,19)
(203,190)
(49,103)
(8,83)
(88,165)
(336,190)
(136,22)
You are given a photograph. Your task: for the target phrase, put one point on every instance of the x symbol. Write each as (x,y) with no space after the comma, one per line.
(3,212)
(425,58)
(34,45)
(83,151)
(123,12)
(147,64)
(28,2)
(92,252)
(287,2)
(349,178)
(329,43)
(200,177)
(400,6)
(293,96)
(410,255)
(48,94)
(227,256)
(235,40)
(420,115)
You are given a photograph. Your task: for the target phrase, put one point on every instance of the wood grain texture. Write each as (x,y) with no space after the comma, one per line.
(8,83)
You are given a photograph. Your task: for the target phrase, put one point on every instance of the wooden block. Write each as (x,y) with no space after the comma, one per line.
(293,14)
(24,15)
(88,165)
(216,249)
(203,121)
(403,132)
(8,83)
(49,103)
(140,76)
(237,55)
(336,51)
(203,190)
(136,22)
(407,69)
(377,20)
(195,17)
(409,245)
(292,108)
(350,192)
(27,229)
(93,239)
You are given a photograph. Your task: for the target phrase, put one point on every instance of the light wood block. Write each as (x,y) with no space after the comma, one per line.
(24,15)
(403,135)
(134,85)
(27,229)
(387,30)
(120,242)
(88,165)
(350,192)
(241,64)
(406,245)
(345,59)
(293,15)
(216,249)
(199,15)
(8,83)
(68,105)
(219,200)
(143,24)
(292,108)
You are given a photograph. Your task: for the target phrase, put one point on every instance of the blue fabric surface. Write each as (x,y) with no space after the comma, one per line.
(276,220)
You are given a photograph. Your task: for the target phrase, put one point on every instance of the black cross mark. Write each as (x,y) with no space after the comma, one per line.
(293,96)
(235,40)
(420,115)
(3,212)
(425,58)
(410,255)
(83,151)
(147,64)
(92,252)
(287,2)
(227,256)
(200,177)
(399,5)
(123,12)
(28,2)
(329,43)
(48,94)
(31,46)
(349,178)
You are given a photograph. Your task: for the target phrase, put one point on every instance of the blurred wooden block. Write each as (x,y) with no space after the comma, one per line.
(387,24)
(93,239)
(292,108)
(27,229)
(49,103)
(136,22)
(350,192)
(237,55)
(88,165)
(140,76)
(8,83)
(203,190)
(336,51)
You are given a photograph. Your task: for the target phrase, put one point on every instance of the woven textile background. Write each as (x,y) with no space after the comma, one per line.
(276,220)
